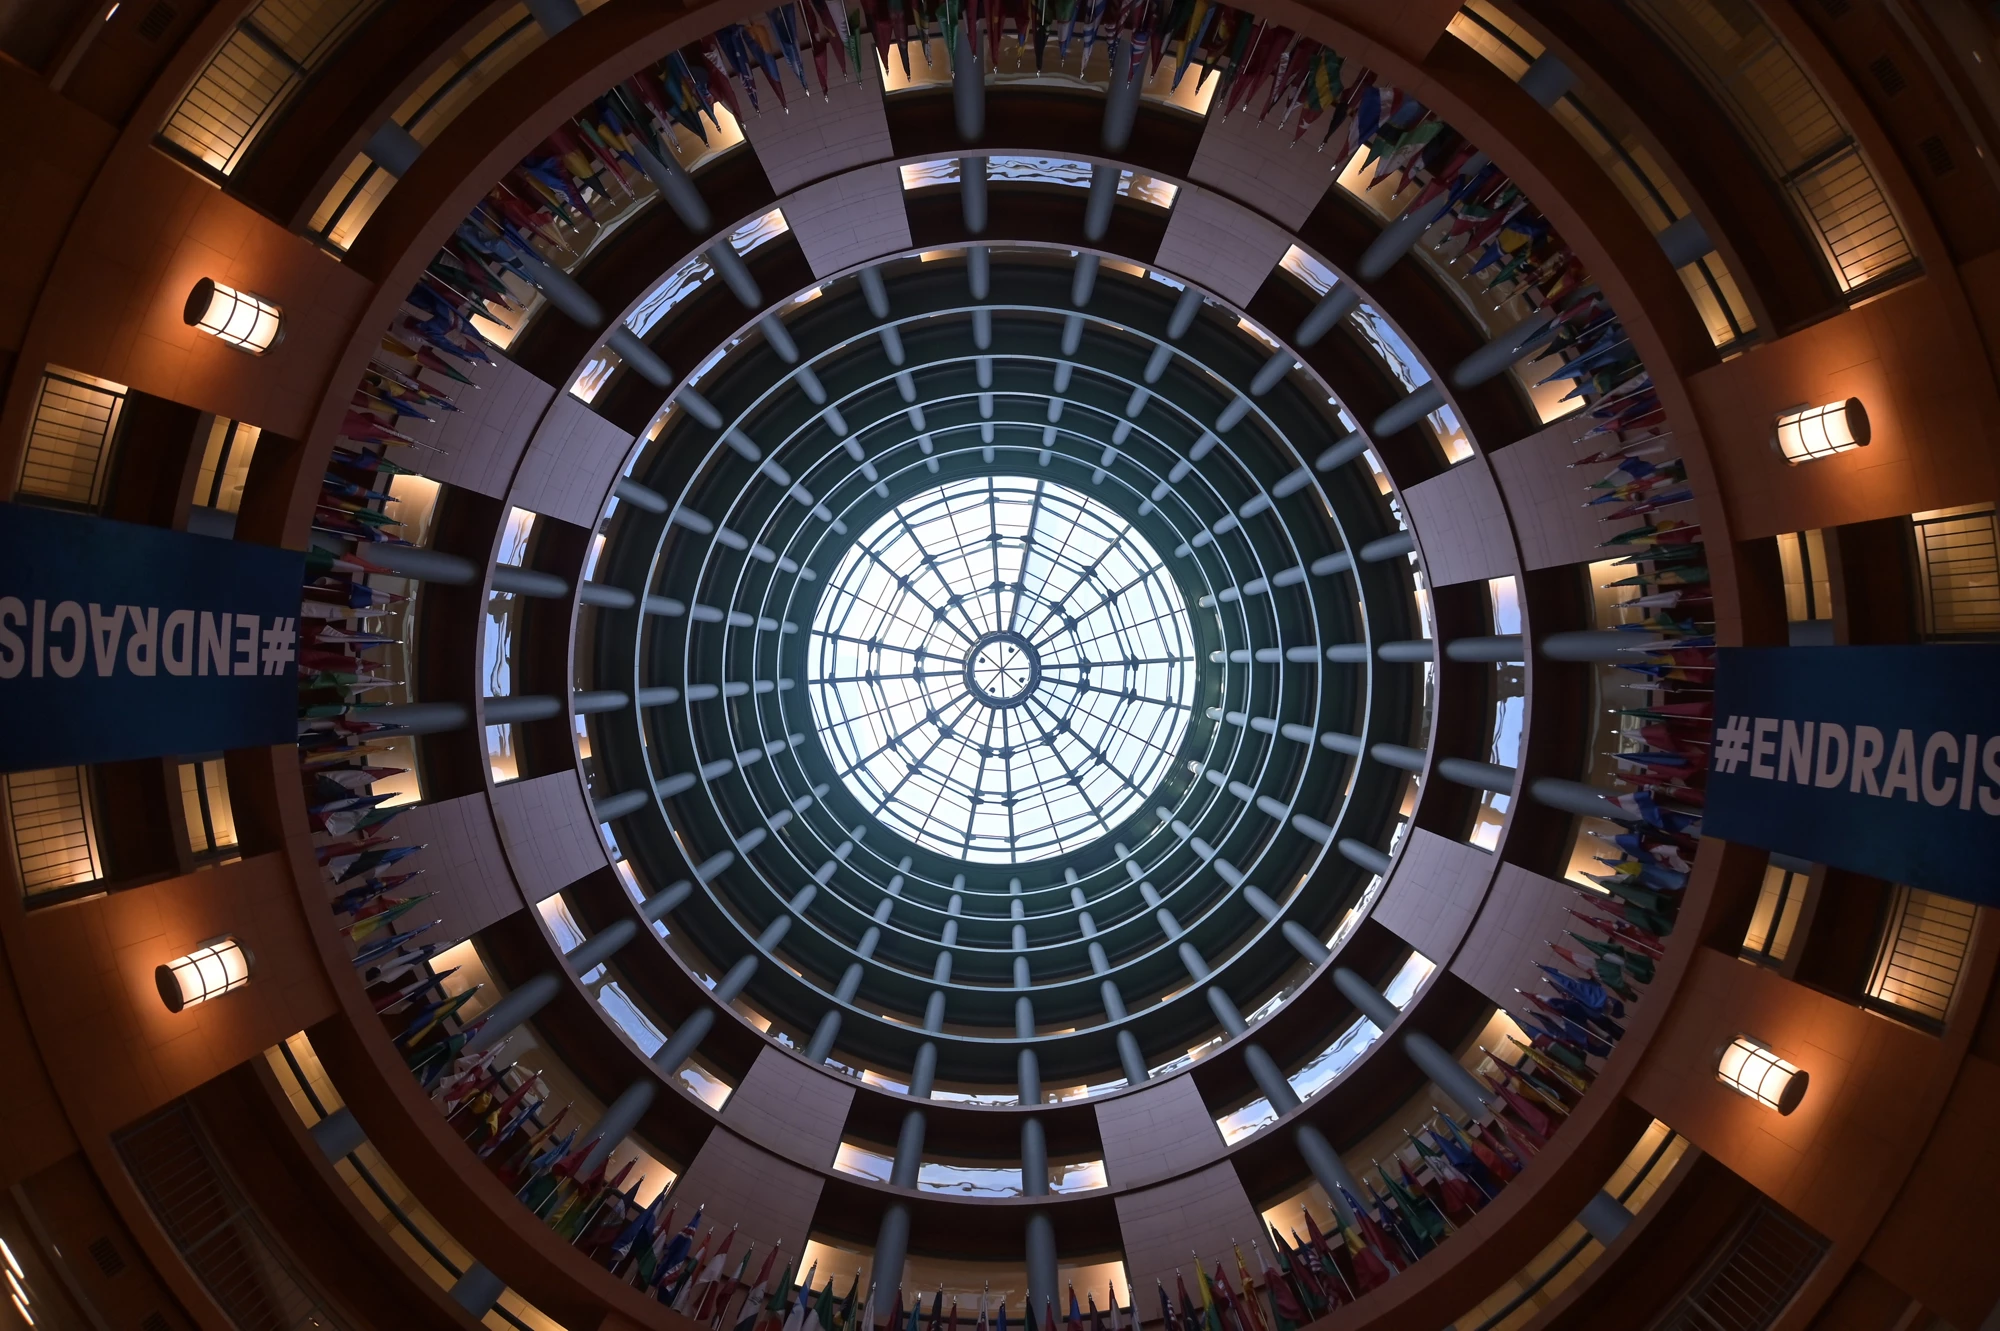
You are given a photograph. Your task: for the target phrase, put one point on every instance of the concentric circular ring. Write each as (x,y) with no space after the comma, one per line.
(1002,669)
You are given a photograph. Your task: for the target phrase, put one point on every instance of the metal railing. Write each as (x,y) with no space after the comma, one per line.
(389,1205)
(1713,288)
(345,210)
(1958,562)
(55,832)
(1753,1275)
(1521,1308)
(71,437)
(1785,118)
(267,58)
(1918,959)
(223,1240)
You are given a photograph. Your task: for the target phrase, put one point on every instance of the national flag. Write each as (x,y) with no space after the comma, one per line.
(1532,1121)
(642,1261)
(843,1316)
(502,1118)
(1226,1297)
(619,1217)
(1250,1309)
(1192,38)
(795,1319)
(1287,1313)
(396,967)
(1191,1317)
(753,1302)
(1373,1268)
(679,1279)
(1373,1238)
(370,924)
(1461,1193)
(416,985)
(697,1296)
(1416,1210)
(1211,1311)
(1588,993)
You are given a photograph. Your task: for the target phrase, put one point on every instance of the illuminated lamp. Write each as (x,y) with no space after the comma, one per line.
(210,971)
(1748,1067)
(240,318)
(1806,434)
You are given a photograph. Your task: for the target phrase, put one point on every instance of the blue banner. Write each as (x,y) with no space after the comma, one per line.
(1883,760)
(123,641)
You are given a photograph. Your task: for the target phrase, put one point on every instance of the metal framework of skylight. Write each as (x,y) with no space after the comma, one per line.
(1002,669)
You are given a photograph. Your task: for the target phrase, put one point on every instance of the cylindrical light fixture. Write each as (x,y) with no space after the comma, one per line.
(1748,1067)
(1806,434)
(211,970)
(242,319)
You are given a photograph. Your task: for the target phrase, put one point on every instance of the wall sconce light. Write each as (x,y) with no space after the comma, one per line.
(1748,1067)
(1806,434)
(243,320)
(210,971)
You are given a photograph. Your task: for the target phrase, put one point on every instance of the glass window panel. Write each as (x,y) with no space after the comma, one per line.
(1002,668)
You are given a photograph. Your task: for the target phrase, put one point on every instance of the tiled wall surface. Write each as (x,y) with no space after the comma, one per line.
(551,838)
(1431,898)
(1256,163)
(1522,912)
(1165,1227)
(815,137)
(1221,245)
(571,464)
(849,220)
(1547,498)
(769,1200)
(1155,1133)
(1831,1161)
(478,446)
(132,255)
(791,1108)
(1462,525)
(1902,354)
(462,863)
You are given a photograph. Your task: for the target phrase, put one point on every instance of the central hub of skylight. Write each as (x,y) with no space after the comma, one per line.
(1001,669)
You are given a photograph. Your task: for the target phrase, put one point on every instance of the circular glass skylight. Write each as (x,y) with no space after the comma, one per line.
(1001,669)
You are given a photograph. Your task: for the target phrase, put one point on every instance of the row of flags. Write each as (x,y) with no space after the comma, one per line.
(353,643)
(550,202)
(547,207)
(1484,225)
(1660,742)
(500,1109)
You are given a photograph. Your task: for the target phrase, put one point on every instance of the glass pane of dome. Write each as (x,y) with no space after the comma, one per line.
(1002,669)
